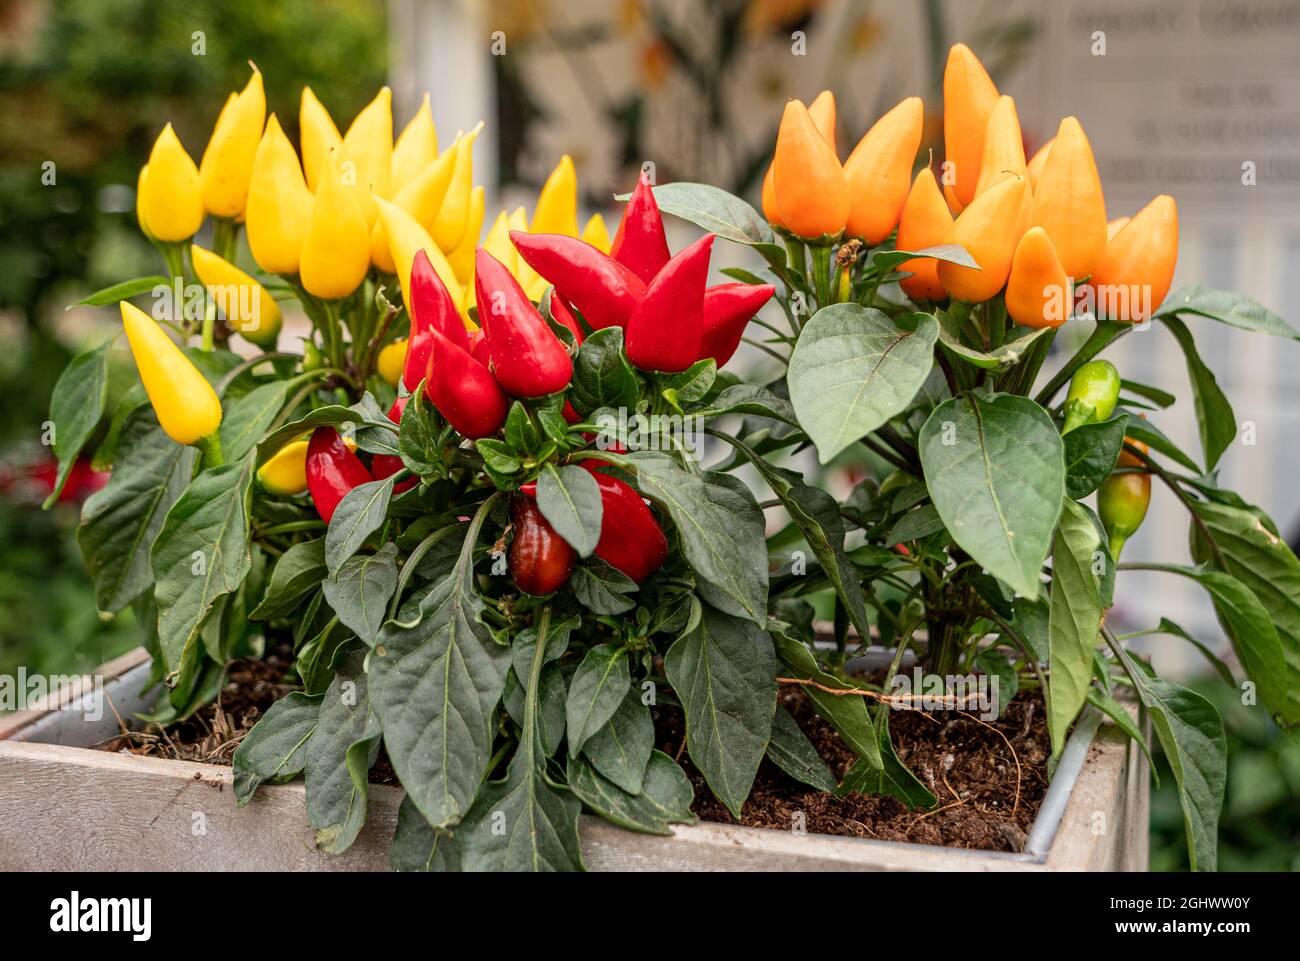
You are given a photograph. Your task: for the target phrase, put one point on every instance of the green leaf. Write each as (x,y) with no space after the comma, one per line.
(569,498)
(1075,620)
(417,443)
(602,589)
(1214,417)
(793,753)
(854,368)
(201,554)
(665,798)
(595,693)
(1123,720)
(998,667)
(715,210)
(123,291)
(362,511)
(721,528)
(1161,398)
(361,589)
(1167,626)
(417,846)
(885,261)
(914,525)
(995,467)
(300,570)
(340,752)
(550,712)
(693,383)
(249,417)
(1227,308)
(275,750)
(520,431)
(753,400)
(1139,428)
(1090,455)
(332,415)
(76,407)
(621,749)
(497,456)
(724,673)
(1262,561)
(847,713)
(892,778)
(120,522)
(435,680)
(1191,732)
(1033,623)
(1000,358)
(602,376)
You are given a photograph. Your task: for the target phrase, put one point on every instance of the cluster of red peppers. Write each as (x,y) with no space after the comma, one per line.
(671,319)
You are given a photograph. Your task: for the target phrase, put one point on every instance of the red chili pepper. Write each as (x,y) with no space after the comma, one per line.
(605,291)
(631,540)
(728,309)
(564,315)
(386,465)
(464,390)
(431,307)
(571,415)
(664,331)
(540,559)
(478,348)
(640,243)
(528,360)
(332,471)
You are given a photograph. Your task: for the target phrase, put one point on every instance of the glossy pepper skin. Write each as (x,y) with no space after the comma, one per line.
(415,148)
(332,471)
(336,250)
(186,405)
(989,229)
(420,197)
(631,540)
(171,198)
(562,314)
(279,204)
(1123,499)
(600,287)
(540,560)
(392,361)
(822,111)
(386,465)
(227,163)
(319,136)
(808,182)
(728,309)
(1140,259)
(595,232)
(879,170)
(528,360)
(557,202)
(1094,391)
(463,389)
(664,332)
(431,308)
(969,96)
(285,474)
(1069,203)
(640,243)
(406,240)
(925,222)
(248,307)
(1038,290)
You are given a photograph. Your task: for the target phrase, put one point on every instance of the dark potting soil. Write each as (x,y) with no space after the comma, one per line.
(989,777)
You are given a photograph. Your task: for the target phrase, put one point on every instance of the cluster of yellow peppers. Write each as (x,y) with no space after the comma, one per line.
(1033,227)
(357,204)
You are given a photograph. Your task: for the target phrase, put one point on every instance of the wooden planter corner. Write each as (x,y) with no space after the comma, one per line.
(65,806)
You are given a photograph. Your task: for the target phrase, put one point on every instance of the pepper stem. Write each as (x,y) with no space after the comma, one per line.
(821,269)
(211,448)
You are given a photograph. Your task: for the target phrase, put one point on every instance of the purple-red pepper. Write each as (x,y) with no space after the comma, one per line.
(464,390)
(728,309)
(640,243)
(528,360)
(663,333)
(540,559)
(332,471)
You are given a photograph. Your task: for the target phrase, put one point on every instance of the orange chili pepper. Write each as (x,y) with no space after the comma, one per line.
(969,96)
(1141,259)
(926,222)
(808,182)
(989,229)
(1068,202)
(879,170)
(1038,290)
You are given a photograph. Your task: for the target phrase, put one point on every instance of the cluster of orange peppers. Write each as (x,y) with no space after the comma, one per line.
(1033,227)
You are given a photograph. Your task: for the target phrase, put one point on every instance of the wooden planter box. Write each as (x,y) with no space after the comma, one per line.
(65,806)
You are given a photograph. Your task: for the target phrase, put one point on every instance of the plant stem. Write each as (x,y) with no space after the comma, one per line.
(211,448)
(1102,336)
(821,270)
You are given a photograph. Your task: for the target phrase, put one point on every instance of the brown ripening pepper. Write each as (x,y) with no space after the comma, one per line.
(540,559)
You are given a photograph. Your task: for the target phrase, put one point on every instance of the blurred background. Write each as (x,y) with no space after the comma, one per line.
(1176,97)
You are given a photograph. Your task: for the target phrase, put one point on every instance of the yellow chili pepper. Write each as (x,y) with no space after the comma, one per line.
(285,474)
(596,233)
(186,405)
(421,198)
(926,222)
(405,239)
(989,229)
(227,162)
(457,206)
(462,257)
(1069,204)
(557,202)
(279,204)
(1133,274)
(247,306)
(811,192)
(525,274)
(391,361)
(171,198)
(1038,290)
(416,147)
(139,201)
(497,243)
(969,96)
(319,137)
(336,251)
(879,171)
(367,153)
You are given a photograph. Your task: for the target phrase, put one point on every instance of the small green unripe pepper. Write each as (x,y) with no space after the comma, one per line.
(1094,390)
(311,356)
(1123,499)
